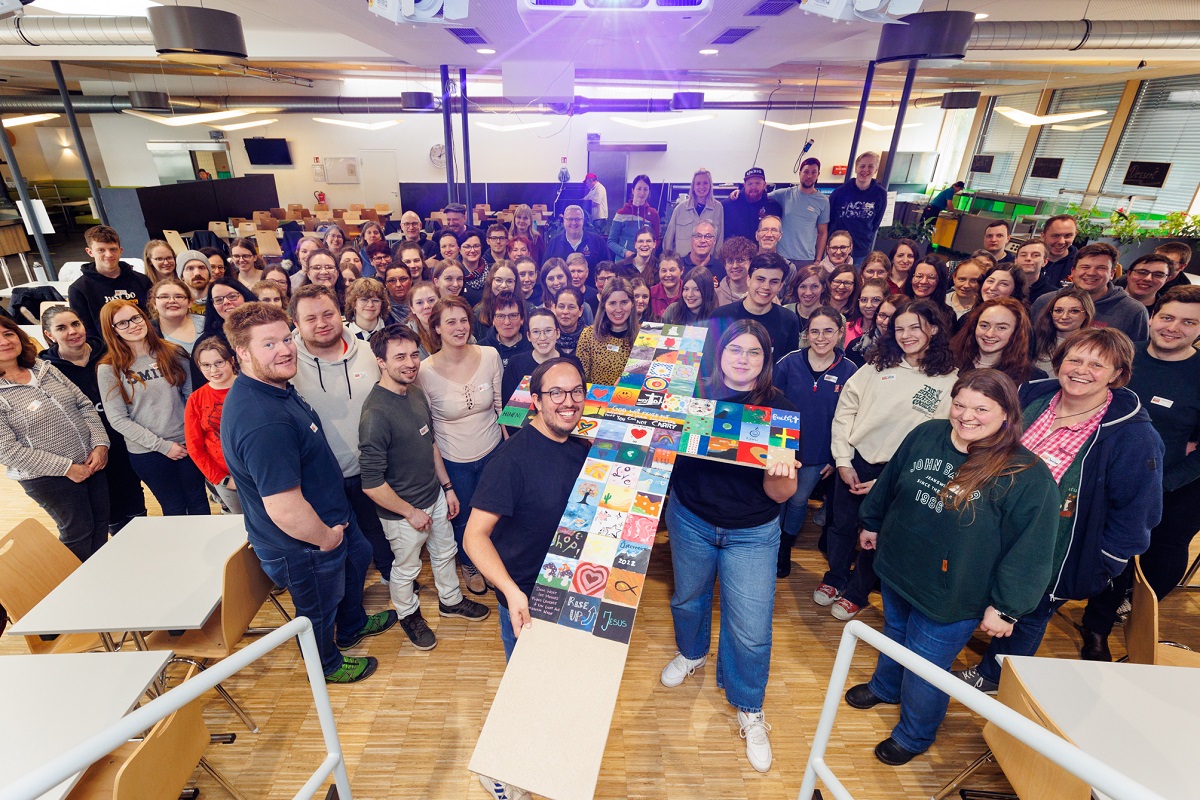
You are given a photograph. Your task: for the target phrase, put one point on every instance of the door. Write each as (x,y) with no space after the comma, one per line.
(380,181)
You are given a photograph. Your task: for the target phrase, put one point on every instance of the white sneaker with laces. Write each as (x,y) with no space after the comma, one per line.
(758,746)
(680,669)
(502,791)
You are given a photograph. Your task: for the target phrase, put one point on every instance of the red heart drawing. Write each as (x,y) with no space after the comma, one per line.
(638,433)
(590,579)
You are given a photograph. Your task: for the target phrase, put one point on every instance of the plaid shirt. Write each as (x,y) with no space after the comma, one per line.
(1058,448)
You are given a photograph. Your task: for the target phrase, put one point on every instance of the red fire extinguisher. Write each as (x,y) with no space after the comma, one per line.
(320,197)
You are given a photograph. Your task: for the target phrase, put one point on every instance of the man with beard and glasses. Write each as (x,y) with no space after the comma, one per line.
(299,521)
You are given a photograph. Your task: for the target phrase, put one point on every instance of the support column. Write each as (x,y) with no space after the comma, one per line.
(909,77)
(858,125)
(69,109)
(448,138)
(466,138)
(23,192)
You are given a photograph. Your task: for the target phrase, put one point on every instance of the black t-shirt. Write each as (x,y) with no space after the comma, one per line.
(527,482)
(722,494)
(783,326)
(518,367)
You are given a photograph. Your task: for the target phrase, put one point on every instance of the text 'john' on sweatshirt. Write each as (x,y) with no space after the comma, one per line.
(337,390)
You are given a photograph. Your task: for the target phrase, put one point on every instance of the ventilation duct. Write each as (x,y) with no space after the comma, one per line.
(176,32)
(148,101)
(1086,35)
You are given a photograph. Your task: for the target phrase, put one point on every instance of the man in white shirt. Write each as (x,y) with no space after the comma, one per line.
(597,195)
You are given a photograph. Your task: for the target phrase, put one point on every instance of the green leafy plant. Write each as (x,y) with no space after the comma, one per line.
(1178,225)
(1124,228)
(920,232)
(1088,228)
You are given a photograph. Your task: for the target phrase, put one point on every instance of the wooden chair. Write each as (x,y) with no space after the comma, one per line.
(321,207)
(383,209)
(323,215)
(1032,775)
(268,243)
(279,214)
(338,213)
(175,240)
(369,213)
(32,563)
(312,223)
(357,206)
(1141,629)
(219,228)
(159,766)
(247,229)
(245,587)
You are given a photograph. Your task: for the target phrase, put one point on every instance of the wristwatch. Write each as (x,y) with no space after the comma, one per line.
(225,481)
(1009,618)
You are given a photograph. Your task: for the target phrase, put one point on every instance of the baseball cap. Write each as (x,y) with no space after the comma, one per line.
(755,172)
(591,176)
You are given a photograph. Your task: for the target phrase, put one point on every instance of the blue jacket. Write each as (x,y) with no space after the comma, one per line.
(1120,494)
(814,399)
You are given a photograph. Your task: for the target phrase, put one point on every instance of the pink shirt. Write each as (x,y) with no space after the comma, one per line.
(1060,447)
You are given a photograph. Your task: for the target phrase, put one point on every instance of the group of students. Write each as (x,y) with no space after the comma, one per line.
(981,467)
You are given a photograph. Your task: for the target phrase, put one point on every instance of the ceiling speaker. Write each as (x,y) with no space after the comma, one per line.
(684,101)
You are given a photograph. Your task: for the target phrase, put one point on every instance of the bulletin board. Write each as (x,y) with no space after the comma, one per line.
(341,169)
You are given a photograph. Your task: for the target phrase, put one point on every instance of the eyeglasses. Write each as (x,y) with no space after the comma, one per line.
(737,352)
(705,237)
(472,246)
(227,299)
(1066,312)
(170,297)
(370,300)
(322,268)
(214,365)
(497,238)
(840,248)
(1145,273)
(242,257)
(167,260)
(507,317)
(394,281)
(842,284)
(125,323)
(558,395)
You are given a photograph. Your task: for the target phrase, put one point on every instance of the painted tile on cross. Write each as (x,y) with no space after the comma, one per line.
(608,523)
(641,528)
(599,550)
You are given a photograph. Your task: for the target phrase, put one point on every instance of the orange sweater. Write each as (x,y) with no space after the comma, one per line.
(202,431)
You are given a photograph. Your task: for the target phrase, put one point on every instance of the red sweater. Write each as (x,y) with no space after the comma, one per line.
(202,431)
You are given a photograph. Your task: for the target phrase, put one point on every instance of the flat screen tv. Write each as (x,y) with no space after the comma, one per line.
(264,152)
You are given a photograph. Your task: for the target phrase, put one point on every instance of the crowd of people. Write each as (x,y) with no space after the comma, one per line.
(990,438)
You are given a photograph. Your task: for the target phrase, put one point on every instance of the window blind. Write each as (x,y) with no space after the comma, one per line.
(1004,140)
(1077,142)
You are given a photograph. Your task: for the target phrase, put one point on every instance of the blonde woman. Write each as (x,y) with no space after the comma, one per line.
(699,205)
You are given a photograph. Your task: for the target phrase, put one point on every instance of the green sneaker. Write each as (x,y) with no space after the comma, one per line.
(376,624)
(353,669)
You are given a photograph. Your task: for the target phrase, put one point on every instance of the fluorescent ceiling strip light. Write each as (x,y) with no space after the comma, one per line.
(1025,119)
(520,126)
(804,125)
(110,8)
(362,126)
(241,126)
(189,119)
(662,123)
(13,122)
(1077,128)
(874,127)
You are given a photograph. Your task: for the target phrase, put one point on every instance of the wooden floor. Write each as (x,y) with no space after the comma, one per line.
(408,731)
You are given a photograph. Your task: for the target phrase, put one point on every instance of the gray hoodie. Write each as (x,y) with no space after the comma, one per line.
(337,390)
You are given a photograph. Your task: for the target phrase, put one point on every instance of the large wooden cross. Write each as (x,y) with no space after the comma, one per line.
(591,581)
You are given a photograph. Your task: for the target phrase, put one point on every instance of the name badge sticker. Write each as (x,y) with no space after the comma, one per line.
(483,387)
(424,430)
(831,378)
(1051,460)
(888,378)
(1162,401)
(34,406)
(613,348)
(313,427)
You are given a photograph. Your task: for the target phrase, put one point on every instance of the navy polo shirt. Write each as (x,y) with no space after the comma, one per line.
(273,442)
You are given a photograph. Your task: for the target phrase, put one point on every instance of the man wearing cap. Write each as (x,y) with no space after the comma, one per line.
(191,267)
(456,218)
(597,196)
(744,209)
(805,217)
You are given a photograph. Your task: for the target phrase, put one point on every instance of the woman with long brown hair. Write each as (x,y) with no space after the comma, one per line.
(738,542)
(964,520)
(248,265)
(144,381)
(604,345)
(995,334)
(53,442)
(1072,309)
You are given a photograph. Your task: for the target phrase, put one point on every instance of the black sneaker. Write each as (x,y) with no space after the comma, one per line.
(418,631)
(467,609)
(376,624)
(972,677)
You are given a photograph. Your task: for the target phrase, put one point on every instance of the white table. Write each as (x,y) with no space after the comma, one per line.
(157,574)
(51,703)
(1139,719)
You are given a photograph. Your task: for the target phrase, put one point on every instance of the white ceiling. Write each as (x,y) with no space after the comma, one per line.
(326,40)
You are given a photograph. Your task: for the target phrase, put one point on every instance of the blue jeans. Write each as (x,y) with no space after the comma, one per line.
(796,507)
(178,485)
(922,707)
(465,477)
(1026,637)
(744,558)
(325,587)
(507,637)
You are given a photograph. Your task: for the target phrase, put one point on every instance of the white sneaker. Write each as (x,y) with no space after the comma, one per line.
(680,669)
(502,791)
(758,746)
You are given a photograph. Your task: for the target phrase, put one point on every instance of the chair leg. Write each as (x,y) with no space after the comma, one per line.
(237,709)
(949,788)
(221,779)
(279,607)
(1186,582)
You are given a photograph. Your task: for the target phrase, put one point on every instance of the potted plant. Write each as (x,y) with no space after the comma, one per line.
(921,233)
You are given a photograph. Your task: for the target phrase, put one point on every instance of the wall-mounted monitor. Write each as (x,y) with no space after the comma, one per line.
(264,152)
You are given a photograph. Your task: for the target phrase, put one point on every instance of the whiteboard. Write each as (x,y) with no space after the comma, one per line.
(341,169)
